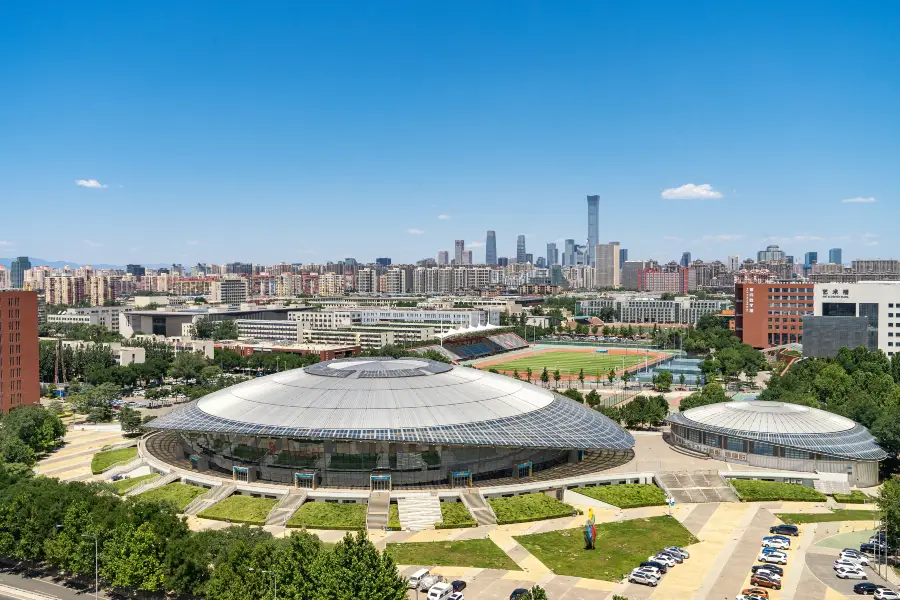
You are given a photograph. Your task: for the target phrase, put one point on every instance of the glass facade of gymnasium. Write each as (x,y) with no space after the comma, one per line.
(746,446)
(352,464)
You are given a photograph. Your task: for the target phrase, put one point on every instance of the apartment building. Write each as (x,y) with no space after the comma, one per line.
(268,330)
(771,314)
(106,316)
(231,292)
(19,371)
(686,310)
(68,290)
(607,265)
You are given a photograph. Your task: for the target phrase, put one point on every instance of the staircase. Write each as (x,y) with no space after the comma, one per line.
(419,512)
(831,486)
(478,506)
(164,480)
(287,505)
(216,494)
(378,510)
(695,486)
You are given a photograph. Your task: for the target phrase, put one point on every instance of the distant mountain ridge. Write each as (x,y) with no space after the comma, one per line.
(59,264)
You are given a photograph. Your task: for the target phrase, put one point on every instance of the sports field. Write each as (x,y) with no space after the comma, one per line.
(568,363)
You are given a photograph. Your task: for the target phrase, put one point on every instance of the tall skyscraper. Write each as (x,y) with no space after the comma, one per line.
(686,259)
(466,257)
(443,257)
(383,262)
(490,248)
(771,253)
(569,253)
(529,258)
(593,236)
(734,262)
(502,261)
(460,247)
(809,259)
(552,254)
(623,256)
(834,256)
(606,267)
(17,272)
(520,249)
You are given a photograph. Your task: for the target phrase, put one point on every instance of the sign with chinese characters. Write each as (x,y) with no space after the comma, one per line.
(835,293)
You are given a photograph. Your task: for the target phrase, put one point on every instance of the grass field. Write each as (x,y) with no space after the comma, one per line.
(329,515)
(529,507)
(619,547)
(104,461)
(455,514)
(569,363)
(627,495)
(179,494)
(751,490)
(830,517)
(240,509)
(480,554)
(854,497)
(123,485)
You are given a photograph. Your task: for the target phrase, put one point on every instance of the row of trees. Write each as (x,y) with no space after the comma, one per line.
(860,384)
(28,432)
(641,411)
(144,546)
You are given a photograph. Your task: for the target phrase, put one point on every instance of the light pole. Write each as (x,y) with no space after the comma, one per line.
(96,562)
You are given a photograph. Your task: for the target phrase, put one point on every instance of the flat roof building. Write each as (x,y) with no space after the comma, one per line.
(19,347)
(771,314)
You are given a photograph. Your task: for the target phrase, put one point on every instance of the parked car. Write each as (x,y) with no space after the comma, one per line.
(458,585)
(851,573)
(655,563)
(416,578)
(517,593)
(638,576)
(440,591)
(750,597)
(756,591)
(770,550)
(867,588)
(773,557)
(859,559)
(770,568)
(663,558)
(428,581)
(777,543)
(763,580)
(675,556)
(785,530)
(684,553)
(845,562)
(886,594)
(782,537)
(457,596)
(652,570)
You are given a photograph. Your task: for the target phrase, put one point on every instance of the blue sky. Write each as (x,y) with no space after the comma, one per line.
(313,131)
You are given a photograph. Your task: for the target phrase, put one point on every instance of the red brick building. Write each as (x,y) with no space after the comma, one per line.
(19,376)
(771,314)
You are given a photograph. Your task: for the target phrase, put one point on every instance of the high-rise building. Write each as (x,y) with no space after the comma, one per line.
(502,261)
(607,266)
(239,268)
(136,270)
(466,257)
(17,272)
(529,258)
(520,249)
(383,262)
(771,253)
(459,247)
(734,262)
(19,376)
(569,254)
(490,248)
(630,276)
(755,305)
(541,262)
(443,257)
(552,254)
(623,256)
(809,259)
(593,234)
(685,259)
(835,256)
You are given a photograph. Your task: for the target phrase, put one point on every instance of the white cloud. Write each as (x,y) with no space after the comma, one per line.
(475,244)
(859,200)
(89,183)
(671,238)
(722,237)
(873,243)
(414,231)
(869,236)
(92,243)
(5,244)
(193,242)
(444,217)
(690,191)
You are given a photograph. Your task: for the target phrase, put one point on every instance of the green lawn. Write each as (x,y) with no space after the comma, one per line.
(328,515)
(628,495)
(570,363)
(455,514)
(751,490)
(241,509)
(480,554)
(619,547)
(529,507)
(123,485)
(835,515)
(179,494)
(854,497)
(394,518)
(106,460)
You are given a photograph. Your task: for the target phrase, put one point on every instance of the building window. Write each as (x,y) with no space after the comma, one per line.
(736,445)
(764,449)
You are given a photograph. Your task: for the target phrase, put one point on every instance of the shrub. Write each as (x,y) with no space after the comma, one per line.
(455,514)
(628,495)
(854,497)
(529,507)
(329,515)
(751,490)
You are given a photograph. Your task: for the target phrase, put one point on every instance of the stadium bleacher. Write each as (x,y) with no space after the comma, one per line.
(471,348)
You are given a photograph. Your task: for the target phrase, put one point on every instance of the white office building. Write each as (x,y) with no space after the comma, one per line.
(107,316)
(231,291)
(878,301)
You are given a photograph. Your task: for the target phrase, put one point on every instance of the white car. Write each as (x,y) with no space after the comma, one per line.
(779,558)
(638,576)
(857,559)
(886,594)
(457,596)
(666,560)
(851,573)
(776,543)
(653,571)
(684,553)
(770,574)
(845,563)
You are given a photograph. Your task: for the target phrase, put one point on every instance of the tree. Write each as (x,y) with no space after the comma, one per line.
(662,380)
(134,558)
(187,365)
(528,373)
(581,378)
(210,374)
(626,377)
(129,419)
(535,593)
(556,377)
(611,376)
(228,360)
(888,502)
(711,393)
(38,428)
(14,450)
(516,374)
(545,377)
(355,570)
(592,398)
(681,379)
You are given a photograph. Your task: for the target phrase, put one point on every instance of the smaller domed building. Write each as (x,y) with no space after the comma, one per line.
(777,435)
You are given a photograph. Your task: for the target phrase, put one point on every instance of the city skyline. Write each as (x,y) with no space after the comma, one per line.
(470,132)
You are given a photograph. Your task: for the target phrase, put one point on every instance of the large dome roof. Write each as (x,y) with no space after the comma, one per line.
(790,425)
(404,400)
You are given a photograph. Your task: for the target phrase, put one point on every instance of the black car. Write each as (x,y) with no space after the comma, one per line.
(768,567)
(867,588)
(676,557)
(785,530)
(458,585)
(652,563)
(517,593)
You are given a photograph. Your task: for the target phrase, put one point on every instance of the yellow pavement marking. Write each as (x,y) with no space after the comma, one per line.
(682,582)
